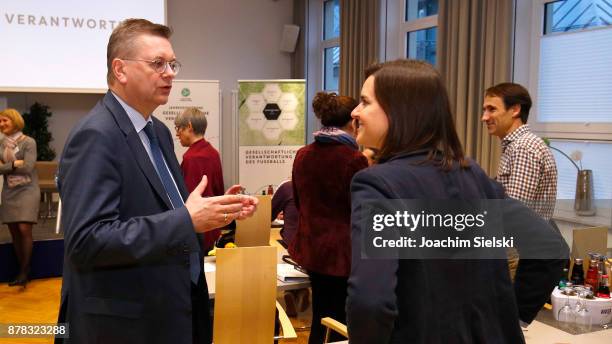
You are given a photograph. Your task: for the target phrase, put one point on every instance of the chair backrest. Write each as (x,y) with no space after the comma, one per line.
(255,231)
(245,299)
(46,171)
(333,325)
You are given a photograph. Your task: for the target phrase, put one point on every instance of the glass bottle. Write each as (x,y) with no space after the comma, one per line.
(577,272)
(601,266)
(604,288)
(592,280)
(564,280)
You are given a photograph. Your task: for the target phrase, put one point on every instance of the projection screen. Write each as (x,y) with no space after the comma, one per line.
(60,45)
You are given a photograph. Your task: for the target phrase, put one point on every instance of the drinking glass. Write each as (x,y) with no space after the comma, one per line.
(566,315)
(583,316)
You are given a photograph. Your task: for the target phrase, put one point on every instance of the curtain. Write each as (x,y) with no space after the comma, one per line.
(359,42)
(298,58)
(474,53)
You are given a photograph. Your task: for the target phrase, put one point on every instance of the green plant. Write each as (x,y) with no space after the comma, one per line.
(37,127)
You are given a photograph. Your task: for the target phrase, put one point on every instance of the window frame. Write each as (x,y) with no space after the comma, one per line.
(315,65)
(396,22)
(326,44)
(530,75)
(528,31)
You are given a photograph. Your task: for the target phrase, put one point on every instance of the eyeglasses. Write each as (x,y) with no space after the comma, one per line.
(160,65)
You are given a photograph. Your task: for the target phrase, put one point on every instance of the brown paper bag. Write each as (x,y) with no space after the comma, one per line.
(589,240)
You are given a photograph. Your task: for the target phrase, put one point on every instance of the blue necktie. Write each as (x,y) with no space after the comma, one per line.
(171,190)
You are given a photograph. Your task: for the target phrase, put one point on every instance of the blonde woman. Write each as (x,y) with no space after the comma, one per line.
(20,192)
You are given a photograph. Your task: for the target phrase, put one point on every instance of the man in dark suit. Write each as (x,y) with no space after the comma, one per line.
(133,270)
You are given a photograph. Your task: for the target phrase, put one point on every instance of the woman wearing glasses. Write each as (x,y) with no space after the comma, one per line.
(20,191)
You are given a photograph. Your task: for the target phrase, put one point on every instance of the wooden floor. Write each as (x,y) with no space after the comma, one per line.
(39,303)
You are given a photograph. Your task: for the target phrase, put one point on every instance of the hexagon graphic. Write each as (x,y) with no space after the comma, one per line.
(255,102)
(288,102)
(272,130)
(272,112)
(288,120)
(256,120)
(271,92)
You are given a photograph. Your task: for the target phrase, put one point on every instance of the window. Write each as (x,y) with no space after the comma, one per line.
(591,159)
(564,56)
(331,26)
(580,93)
(323,52)
(332,69)
(421,45)
(418,29)
(566,66)
(331,45)
(572,15)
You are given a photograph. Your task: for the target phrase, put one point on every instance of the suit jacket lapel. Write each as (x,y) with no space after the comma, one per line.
(135,145)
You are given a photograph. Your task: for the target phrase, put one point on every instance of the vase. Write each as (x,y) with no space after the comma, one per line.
(583,204)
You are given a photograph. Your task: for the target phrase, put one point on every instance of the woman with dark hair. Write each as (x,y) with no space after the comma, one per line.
(405,116)
(322,173)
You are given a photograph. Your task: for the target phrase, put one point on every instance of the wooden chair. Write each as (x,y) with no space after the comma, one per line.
(335,325)
(255,231)
(58,222)
(46,171)
(245,297)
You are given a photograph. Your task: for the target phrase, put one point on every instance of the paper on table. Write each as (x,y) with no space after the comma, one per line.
(287,272)
(209,267)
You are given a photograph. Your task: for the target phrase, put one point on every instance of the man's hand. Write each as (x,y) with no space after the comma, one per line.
(214,212)
(249,203)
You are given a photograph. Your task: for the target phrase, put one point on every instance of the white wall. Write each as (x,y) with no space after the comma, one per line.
(222,40)
(227,40)
(67,109)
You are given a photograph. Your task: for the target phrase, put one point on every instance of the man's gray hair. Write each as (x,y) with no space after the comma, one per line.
(194,116)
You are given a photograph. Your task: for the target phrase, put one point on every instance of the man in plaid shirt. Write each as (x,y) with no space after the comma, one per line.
(527,168)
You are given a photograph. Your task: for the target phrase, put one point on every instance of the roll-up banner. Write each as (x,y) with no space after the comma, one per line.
(203,94)
(272,127)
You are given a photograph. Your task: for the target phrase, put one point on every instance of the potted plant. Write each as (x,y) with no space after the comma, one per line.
(37,127)
(583,200)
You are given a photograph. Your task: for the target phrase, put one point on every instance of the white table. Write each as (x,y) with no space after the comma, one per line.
(210,265)
(540,333)
(280,285)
